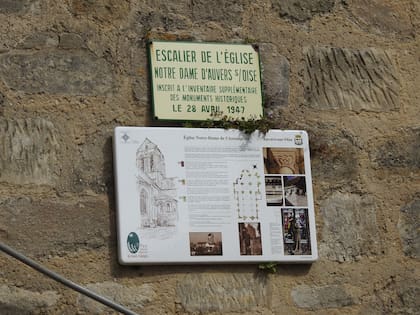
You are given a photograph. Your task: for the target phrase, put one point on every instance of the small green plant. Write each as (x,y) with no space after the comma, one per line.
(270,267)
(247,126)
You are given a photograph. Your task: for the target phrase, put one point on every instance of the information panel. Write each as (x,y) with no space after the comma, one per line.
(188,195)
(199,81)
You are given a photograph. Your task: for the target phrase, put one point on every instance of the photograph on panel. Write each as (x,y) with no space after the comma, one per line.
(157,193)
(283,161)
(206,244)
(296,234)
(274,192)
(295,191)
(250,238)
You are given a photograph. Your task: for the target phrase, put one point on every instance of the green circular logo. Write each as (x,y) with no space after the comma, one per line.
(133,242)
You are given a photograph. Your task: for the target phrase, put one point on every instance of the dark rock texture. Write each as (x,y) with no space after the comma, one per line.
(302,10)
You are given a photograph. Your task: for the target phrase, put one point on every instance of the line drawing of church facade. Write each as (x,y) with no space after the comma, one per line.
(158,203)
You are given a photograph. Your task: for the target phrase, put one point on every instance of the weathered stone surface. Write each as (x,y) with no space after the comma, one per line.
(333,157)
(131,297)
(71,41)
(409,228)
(337,78)
(350,228)
(275,77)
(330,296)
(229,12)
(409,293)
(39,41)
(19,301)
(403,151)
(55,226)
(28,149)
(389,17)
(395,297)
(302,10)
(372,152)
(104,10)
(172,15)
(88,173)
(57,72)
(222,292)
(13,6)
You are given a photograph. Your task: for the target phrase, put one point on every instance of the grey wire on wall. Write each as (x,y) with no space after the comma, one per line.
(10,251)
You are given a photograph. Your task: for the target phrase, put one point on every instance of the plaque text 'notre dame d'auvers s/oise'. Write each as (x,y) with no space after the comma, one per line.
(198,81)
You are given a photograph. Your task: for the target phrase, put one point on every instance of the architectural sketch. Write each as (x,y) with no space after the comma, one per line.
(158,204)
(247,194)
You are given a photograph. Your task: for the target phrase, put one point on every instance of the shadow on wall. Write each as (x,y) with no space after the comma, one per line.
(108,173)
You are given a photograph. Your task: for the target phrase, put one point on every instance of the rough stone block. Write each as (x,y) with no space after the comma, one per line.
(230,11)
(13,6)
(54,227)
(337,78)
(275,73)
(28,151)
(103,10)
(409,228)
(93,168)
(350,228)
(150,21)
(330,296)
(57,72)
(71,41)
(403,151)
(383,17)
(408,294)
(333,157)
(15,300)
(222,292)
(302,10)
(395,297)
(39,41)
(131,297)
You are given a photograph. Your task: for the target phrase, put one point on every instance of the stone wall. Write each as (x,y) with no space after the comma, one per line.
(347,71)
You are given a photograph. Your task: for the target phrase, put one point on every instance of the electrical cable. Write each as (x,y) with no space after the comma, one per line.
(10,251)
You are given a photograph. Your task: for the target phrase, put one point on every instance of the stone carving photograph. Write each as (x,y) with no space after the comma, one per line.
(283,161)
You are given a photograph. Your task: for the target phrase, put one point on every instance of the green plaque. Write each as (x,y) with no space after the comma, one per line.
(199,81)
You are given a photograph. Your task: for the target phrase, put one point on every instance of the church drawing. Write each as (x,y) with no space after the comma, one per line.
(158,204)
